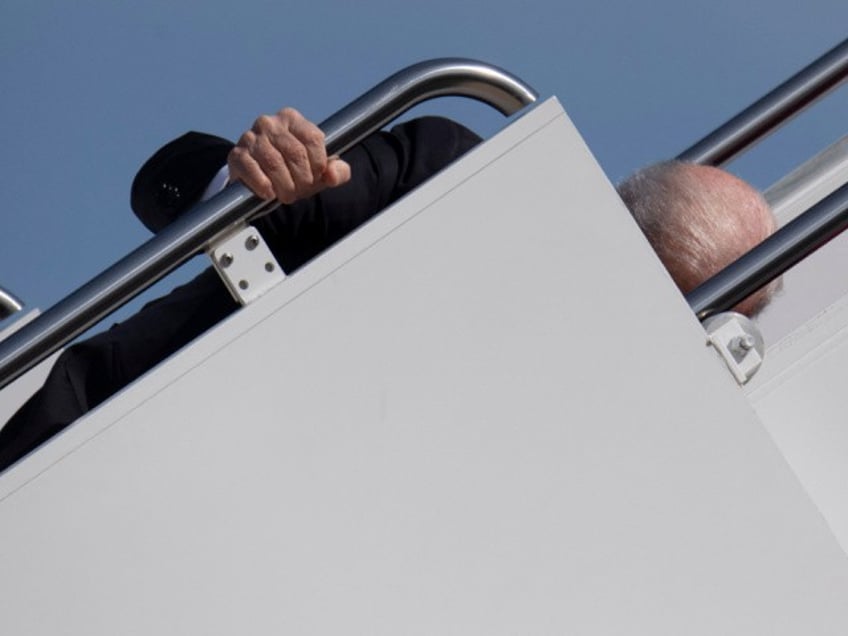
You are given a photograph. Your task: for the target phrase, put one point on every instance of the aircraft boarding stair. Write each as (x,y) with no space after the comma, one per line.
(487,411)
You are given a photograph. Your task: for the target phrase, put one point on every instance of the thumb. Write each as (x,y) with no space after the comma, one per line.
(336,173)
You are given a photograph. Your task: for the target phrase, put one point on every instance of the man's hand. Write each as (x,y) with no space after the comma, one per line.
(283,157)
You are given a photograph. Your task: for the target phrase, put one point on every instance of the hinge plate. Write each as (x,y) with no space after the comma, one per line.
(738,341)
(245,264)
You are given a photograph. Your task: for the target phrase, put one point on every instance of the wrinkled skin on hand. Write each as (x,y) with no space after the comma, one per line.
(283,157)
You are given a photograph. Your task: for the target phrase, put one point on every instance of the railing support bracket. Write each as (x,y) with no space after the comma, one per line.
(739,343)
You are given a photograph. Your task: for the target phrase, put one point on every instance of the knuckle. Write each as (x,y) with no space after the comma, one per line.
(294,152)
(263,123)
(247,139)
(236,157)
(299,156)
(314,136)
(290,114)
(268,157)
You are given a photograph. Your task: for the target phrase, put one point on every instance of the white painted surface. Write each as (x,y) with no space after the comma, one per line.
(815,283)
(487,412)
(808,289)
(19,391)
(801,399)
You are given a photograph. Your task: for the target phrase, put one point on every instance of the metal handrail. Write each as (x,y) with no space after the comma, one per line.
(206,221)
(8,304)
(773,110)
(768,260)
(799,238)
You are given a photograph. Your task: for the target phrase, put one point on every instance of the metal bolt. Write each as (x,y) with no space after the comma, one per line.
(243,284)
(743,344)
(226,260)
(747,342)
(269,267)
(252,242)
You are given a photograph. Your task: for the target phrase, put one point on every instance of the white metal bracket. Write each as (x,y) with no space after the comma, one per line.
(738,341)
(245,264)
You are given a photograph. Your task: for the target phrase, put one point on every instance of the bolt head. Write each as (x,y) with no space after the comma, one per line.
(747,342)
(741,345)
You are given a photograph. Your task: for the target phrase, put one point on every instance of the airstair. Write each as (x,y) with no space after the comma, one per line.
(487,411)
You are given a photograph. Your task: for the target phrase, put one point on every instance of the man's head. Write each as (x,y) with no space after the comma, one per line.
(699,219)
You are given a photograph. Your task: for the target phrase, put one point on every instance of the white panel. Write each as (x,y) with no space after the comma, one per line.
(16,393)
(801,398)
(810,286)
(487,412)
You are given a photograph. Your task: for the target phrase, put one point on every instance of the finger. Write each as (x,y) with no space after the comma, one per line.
(312,139)
(245,169)
(294,156)
(337,172)
(280,155)
(288,174)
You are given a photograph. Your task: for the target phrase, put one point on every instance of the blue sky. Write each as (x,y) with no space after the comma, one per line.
(90,89)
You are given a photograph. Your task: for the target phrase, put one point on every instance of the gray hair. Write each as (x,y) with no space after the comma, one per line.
(699,219)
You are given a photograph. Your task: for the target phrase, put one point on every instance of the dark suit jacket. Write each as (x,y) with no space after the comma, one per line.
(384,167)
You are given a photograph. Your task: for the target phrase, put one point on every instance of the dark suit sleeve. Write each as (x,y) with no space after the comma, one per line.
(91,371)
(384,167)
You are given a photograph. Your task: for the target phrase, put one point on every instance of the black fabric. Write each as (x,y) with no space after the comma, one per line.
(91,371)
(384,167)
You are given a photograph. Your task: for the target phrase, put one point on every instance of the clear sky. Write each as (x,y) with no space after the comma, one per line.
(91,88)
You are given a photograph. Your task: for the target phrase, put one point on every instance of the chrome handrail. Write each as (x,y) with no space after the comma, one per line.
(768,260)
(771,111)
(190,233)
(8,304)
(799,238)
